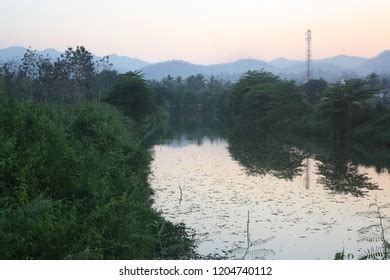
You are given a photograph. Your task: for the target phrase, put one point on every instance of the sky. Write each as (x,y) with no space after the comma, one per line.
(199,31)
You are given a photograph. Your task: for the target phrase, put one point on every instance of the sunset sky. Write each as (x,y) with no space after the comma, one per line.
(199,31)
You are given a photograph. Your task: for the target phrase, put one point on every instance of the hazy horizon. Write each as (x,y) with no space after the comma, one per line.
(222,62)
(200,32)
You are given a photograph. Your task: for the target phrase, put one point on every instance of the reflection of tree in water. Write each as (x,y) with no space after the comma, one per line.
(284,156)
(340,175)
(267,156)
(188,133)
(371,156)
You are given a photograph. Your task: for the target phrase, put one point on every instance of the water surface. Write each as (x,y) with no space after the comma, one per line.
(308,213)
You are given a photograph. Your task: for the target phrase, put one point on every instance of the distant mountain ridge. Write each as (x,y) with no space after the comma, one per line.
(124,64)
(120,63)
(328,68)
(183,68)
(344,61)
(378,64)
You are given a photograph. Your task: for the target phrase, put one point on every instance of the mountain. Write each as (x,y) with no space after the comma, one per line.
(124,64)
(183,68)
(282,62)
(344,61)
(53,53)
(120,63)
(17,53)
(330,69)
(239,66)
(12,53)
(337,63)
(173,67)
(379,64)
(341,61)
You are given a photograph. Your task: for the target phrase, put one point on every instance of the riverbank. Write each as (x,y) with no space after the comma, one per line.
(74,185)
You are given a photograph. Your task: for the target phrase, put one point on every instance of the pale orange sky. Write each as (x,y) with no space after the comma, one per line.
(199,31)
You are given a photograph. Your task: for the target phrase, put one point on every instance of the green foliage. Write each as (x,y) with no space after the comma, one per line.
(193,99)
(73,178)
(261,101)
(131,94)
(313,90)
(339,102)
(73,185)
(376,130)
(348,110)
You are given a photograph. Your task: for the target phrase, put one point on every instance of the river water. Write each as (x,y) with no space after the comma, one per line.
(269,198)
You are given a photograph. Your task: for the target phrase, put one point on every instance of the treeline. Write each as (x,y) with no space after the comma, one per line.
(195,98)
(262,102)
(75,76)
(353,110)
(259,101)
(74,170)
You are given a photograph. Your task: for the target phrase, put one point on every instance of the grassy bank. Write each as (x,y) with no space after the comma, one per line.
(74,185)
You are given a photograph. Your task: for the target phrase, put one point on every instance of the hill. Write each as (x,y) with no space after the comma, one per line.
(379,64)
(331,69)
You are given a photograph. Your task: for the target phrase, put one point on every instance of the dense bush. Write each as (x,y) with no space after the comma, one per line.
(73,184)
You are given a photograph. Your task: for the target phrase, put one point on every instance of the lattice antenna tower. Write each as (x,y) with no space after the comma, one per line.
(308,55)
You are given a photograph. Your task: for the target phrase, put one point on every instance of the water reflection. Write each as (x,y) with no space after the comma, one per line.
(341,176)
(222,176)
(267,155)
(188,133)
(284,160)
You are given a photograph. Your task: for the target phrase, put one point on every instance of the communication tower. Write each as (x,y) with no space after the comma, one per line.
(308,55)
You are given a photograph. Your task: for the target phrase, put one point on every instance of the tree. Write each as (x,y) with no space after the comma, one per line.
(131,94)
(9,72)
(339,101)
(196,82)
(80,68)
(313,90)
(262,100)
(373,81)
(76,75)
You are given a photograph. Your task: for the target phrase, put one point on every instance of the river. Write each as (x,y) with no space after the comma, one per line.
(299,199)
